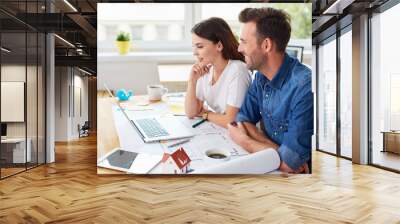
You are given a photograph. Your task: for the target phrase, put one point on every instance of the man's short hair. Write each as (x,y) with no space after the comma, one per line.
(271,23)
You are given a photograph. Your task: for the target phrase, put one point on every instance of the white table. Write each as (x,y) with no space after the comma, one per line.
(18,149)
(207,136)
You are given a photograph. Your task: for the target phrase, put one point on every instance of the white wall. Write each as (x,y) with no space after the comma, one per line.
(14,73)
(33,126)
(62,81)
(136,70)
(67,115)
(130,75)
(79,117)
(17,73)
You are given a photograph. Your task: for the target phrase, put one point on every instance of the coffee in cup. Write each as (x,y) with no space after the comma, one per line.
(156,91)
(217,155)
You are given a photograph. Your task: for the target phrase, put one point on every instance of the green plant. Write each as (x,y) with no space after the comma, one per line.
(123,36)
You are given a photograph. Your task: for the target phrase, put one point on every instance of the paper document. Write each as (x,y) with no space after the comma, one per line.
(176,103)
(176,108)
(138,108)
(256,163)
(144,163)
(208,136)
(203,129)
(198,145)
(205,133)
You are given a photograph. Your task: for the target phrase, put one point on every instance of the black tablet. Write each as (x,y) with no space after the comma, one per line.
(118,159)
(129,161)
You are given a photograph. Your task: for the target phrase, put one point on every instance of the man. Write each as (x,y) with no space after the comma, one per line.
(280,95)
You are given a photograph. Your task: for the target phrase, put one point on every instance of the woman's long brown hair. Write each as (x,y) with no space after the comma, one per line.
(217,30)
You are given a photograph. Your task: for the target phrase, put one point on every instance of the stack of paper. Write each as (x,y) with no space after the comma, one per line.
(256,163)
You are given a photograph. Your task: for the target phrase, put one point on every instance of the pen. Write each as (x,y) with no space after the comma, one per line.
(198,123)
(179,143)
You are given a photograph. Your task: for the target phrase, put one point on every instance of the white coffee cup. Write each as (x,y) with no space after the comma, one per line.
(217,155)
(156,91)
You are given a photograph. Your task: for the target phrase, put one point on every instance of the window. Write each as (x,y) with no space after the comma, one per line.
(385,88)
(163,30)
(22,74)
(227,11)
(149,24)
(327,97)
(164,27)
(327,94)
(394,102)
(346,94)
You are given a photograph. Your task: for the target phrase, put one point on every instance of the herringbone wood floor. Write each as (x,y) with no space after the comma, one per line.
(70,191)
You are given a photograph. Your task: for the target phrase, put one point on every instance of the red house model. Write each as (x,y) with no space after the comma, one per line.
(178,162)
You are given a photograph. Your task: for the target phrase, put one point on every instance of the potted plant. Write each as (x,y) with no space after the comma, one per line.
(123,42)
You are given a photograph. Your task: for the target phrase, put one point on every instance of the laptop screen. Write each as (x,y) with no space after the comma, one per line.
(124,113)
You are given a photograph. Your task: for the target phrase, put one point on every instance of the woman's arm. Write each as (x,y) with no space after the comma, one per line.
(223,119)
(194,106)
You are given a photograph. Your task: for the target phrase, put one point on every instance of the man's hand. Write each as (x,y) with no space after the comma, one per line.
(238,133)
(241,136)
(302,169)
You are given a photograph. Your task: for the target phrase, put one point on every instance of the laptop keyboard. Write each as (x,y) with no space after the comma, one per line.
(152,128)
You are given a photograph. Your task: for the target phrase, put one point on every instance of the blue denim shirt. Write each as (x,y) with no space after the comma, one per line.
(285,106)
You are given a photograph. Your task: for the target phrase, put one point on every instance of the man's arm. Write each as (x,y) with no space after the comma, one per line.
(258,135)
(241,136)
(249,111)
(295,149)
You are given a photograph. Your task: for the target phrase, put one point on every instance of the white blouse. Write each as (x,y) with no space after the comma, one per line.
(230,89)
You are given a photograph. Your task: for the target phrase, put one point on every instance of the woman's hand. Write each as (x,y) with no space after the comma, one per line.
(198,70)
(193,106)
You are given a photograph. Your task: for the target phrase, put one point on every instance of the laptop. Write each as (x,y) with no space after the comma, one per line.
(156,128)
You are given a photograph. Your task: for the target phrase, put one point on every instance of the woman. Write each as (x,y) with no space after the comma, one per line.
(218,82)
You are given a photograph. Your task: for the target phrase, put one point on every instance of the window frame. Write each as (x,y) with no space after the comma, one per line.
(381,9)
(329,39)
(342,32)
(371,15)
(334,37)
(192,15)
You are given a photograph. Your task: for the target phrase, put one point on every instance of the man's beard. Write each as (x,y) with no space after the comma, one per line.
(254,64)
